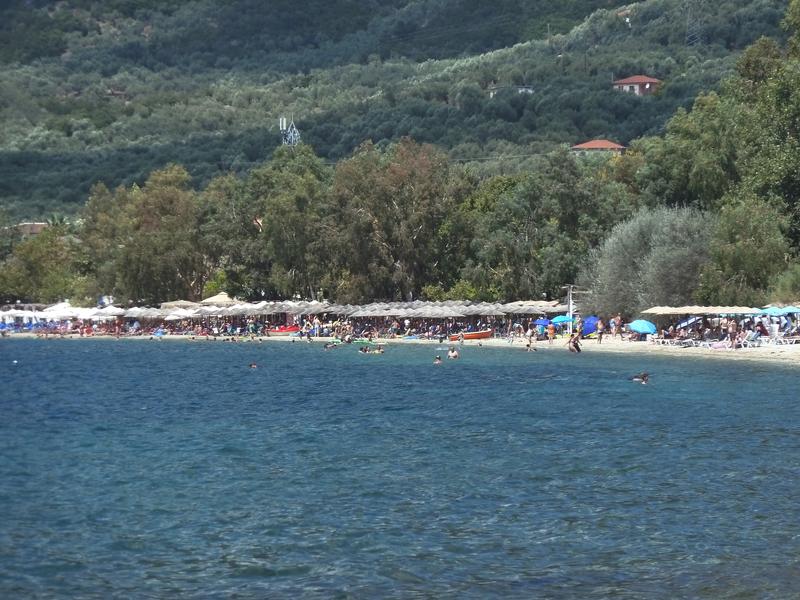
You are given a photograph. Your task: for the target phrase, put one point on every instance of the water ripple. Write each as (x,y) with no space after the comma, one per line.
(172,470)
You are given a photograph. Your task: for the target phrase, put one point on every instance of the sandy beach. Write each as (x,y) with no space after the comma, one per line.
(787,354)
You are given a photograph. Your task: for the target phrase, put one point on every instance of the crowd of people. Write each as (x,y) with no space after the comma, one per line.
(731,332)
(714,332)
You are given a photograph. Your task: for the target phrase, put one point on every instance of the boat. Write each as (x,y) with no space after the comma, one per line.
(473,335)
(284,330)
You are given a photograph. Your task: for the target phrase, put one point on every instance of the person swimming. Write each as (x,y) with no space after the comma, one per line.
(437,360)
(642,378)
(452,352)
(253,366)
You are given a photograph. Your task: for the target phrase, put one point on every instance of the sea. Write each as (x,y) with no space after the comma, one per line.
(172,469)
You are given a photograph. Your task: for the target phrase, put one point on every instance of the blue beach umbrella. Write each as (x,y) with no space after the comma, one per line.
(542,322)
(642,326)
(774,311)
(589,325)
(561,319)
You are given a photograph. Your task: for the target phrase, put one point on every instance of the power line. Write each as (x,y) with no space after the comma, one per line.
(467,160)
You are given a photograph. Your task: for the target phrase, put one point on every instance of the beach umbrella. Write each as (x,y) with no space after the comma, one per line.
(179,304)
(561,319)
(542,322)
(642,326)
(658,310)
(589,325)
(221,299)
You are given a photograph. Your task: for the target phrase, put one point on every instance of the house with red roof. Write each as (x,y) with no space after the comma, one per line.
(30,229)
(639,85)
(593,146)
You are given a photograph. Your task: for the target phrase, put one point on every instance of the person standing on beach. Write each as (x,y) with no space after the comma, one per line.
(732,333)
(551,333)
(574,342)
(618,326)
(600,330)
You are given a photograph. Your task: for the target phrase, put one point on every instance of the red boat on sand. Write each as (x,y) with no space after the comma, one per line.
(473,335)
(284,330)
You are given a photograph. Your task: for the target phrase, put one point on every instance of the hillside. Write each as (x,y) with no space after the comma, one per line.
(109,91)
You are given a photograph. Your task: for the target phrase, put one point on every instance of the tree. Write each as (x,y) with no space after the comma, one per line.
(44,268)
(161,258)
(748,250)
(9,235)
(695,163)
(390,205)
(791,22)
(286,208)
(531,237)
(653,258)
(106,225)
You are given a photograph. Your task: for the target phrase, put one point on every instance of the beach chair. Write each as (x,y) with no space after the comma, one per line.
(777,340)
(751,340)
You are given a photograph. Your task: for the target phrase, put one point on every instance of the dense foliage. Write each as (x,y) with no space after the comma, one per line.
(108,92)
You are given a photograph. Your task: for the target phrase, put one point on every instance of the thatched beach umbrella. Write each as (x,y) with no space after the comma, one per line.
(111,311)
(658,310)
(179,304)
(221,299)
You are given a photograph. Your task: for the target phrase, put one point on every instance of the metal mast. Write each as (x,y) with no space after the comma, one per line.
(695,11)
(290,135)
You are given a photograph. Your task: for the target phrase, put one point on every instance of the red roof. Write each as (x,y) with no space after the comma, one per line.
(598,145)
(637,79)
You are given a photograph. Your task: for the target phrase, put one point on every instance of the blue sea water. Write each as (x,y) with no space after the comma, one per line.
(172,470)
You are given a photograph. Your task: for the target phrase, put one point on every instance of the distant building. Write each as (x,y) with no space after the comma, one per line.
(639,85)
(30,229)
(520,89)
(593,146)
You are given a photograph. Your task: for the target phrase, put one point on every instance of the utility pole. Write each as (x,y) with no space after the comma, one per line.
(570,307)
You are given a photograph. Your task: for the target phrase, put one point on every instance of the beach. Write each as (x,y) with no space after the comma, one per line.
(786,354)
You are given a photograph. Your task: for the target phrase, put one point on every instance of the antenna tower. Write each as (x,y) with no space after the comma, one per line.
(290,135)
(695,11)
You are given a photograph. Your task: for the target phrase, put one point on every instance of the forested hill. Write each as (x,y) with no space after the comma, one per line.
(110,90)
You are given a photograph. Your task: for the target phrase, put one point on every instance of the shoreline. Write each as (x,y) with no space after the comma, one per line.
(786,354)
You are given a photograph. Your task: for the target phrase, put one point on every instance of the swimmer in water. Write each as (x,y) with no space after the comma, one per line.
(253,366)
(437,360)
(641,378)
